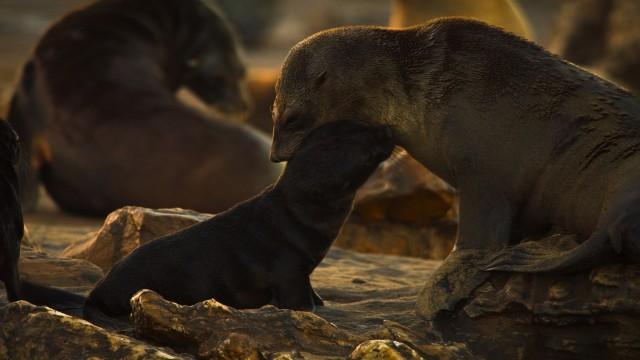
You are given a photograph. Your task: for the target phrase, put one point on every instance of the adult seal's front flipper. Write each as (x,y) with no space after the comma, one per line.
(458,276)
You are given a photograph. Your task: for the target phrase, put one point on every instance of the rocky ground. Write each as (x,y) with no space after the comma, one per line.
(369,297)
(370,312)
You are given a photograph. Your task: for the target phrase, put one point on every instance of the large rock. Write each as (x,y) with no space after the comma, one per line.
(590,315)
(369,299)
(402,209)
(32,332)
(210,329)
(430,242)
(127,228)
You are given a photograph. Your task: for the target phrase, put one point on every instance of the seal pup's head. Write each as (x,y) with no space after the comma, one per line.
(211,63)
(335,160)
(336,75)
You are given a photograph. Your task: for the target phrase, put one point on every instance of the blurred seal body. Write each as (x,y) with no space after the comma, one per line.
(96,109)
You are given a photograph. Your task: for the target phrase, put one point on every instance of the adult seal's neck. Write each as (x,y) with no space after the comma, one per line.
(412,71)
(421,91)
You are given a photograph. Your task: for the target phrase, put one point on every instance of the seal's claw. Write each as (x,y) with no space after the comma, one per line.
(525,257)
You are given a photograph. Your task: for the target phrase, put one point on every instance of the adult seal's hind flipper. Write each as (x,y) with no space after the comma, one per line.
(541,257)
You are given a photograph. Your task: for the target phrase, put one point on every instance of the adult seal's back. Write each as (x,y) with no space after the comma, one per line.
(530,141)
(97,112)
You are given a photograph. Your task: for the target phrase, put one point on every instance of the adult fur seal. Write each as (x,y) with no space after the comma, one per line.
(11,232)
(529,140)
(97,111)
(263,250)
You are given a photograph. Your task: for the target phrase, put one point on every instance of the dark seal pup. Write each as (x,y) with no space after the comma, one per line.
(263,250)
(97,111)
(530,141)
(11,232)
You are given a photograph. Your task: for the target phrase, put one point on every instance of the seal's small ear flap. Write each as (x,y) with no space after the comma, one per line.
(320,79)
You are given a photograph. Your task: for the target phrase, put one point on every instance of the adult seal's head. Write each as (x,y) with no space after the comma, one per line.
(338,74)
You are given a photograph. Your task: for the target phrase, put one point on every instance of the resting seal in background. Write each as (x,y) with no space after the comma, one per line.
(12,230)
(97,111)
(263,250)
(529,141)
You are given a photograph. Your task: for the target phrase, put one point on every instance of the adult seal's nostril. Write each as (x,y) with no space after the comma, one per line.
(275,158)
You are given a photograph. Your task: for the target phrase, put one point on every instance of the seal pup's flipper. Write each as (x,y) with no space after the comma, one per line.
(58,299)
(546,257)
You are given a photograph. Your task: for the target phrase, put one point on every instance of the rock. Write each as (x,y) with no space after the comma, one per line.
(367,296)
(34,332)
(74,275)
(589,315)
(456,278)
(210,323)
(432,242)
(127,228)
(402,209)
(212,330)
(383,350)
(402,190)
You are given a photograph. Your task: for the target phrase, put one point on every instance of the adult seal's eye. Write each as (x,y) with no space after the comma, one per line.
(294,122)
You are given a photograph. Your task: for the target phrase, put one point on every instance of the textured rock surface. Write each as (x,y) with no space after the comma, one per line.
(31,332)
(209,328)
(127,228)
(368,297)
(432,242)
(384,349)
(590,315)
(402,190)
(75,275)
(403,209)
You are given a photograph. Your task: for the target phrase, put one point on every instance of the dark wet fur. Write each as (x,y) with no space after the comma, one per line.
(263,250)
